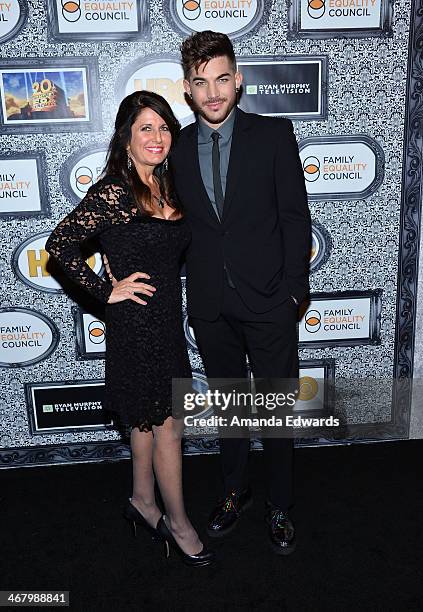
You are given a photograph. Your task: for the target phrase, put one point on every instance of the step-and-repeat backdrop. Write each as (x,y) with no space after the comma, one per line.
(342,70)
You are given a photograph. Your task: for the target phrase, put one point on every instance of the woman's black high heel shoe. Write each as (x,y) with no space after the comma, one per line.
(205,557)
(136,518)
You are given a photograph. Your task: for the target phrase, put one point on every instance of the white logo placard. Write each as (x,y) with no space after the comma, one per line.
(94,333)
(30,262)
(311,389)
(339,18)
(12,17)
(90,331)
(86,171)
(341,167)
(19,187)
(334,320)
(349,318)
(340,14)
(26,337)
(164,77)
(233,18)
(78,16)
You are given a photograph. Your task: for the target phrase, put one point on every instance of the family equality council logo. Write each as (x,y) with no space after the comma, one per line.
(192,9)
(234,17)
(94,11)
(340,8)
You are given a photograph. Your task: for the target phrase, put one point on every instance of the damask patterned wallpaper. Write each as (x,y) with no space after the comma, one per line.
(366,94)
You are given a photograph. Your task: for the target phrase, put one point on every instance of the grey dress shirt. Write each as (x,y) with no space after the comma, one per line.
(205,144)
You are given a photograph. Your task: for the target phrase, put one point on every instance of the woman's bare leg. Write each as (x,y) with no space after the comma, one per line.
(143,497)
(167,462)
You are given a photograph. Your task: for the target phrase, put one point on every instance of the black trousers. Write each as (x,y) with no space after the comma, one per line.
(270,340)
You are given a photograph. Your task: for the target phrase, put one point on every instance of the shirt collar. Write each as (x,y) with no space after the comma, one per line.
(225,130)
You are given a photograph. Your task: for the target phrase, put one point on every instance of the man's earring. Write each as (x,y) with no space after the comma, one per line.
(190,95)
(129,162)
(237,89)
(166,165)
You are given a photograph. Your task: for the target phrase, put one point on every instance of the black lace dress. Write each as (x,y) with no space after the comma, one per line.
(145,344)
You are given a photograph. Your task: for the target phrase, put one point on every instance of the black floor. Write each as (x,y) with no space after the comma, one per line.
(358,513)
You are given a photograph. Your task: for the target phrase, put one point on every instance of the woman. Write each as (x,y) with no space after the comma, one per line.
(136,217)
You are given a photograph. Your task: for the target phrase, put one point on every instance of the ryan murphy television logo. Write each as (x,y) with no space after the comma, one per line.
(293,87)
(66,406)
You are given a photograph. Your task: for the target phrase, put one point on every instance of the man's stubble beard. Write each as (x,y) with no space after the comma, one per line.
(213,118)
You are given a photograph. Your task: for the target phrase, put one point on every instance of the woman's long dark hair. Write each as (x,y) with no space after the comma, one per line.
(117,156)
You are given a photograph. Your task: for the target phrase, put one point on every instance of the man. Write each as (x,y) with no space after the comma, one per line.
(240,180)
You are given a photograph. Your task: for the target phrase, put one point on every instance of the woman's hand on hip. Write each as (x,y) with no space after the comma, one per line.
(128,287)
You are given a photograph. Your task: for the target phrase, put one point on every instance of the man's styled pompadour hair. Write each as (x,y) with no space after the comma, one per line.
(201,47)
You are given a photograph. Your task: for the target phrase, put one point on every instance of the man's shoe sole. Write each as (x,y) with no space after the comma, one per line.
(223,532)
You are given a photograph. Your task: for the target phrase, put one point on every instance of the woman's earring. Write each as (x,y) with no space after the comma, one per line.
(166,165)
(129,162)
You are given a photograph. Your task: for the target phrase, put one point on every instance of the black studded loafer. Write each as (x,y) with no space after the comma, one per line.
(224,517)
(281,530)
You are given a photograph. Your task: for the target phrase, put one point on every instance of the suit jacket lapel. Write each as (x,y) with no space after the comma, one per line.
(239,148)
(193,163)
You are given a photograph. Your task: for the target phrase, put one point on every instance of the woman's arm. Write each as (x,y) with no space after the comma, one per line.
(103,206)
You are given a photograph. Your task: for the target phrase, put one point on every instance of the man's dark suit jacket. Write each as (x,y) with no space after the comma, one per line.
(264,236)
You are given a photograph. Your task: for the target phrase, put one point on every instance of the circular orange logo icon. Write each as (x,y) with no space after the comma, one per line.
(311,167)
(83,178)
(97,332)
(316,8)
(312,321)
(71,10)
(191,9)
